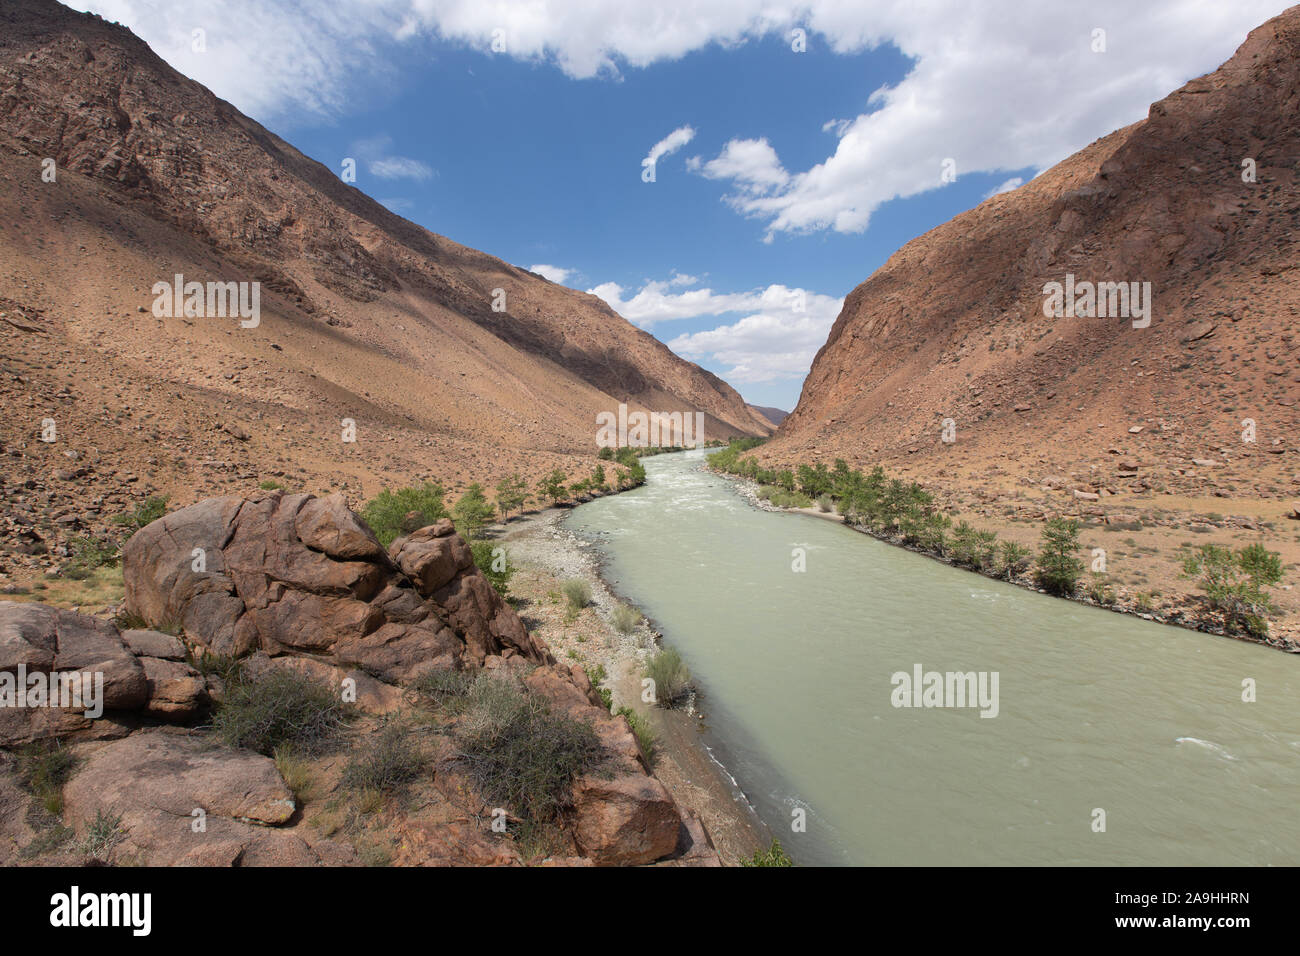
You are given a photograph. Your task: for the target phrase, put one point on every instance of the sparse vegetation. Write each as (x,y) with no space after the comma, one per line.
(644,733)
(295,770)
(279,708)
(577,593)
(443,689)
(775,855)
(1099,590)
(781,498)
(43,768)
(519,754)
(103,834)
(388,763)
(626,618)
(671,676)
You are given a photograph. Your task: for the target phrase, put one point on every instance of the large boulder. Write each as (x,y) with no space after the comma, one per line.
(297,574)
(38,641)
(183,800)
(625,820)
(441,566)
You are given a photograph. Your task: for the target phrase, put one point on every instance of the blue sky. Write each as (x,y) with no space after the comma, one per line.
(786,177)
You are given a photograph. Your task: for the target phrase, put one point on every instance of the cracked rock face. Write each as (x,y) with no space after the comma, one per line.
(297,574)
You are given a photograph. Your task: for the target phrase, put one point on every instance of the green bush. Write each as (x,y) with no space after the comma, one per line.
(88,554)
(596,674)
(519,754)
(386,763)
(781,498)
(145,513)
(775,856)
(229,668)
(626,618)
(279,707)
(1099,590)
(495,567)
(671,676)
(386,513)
(1235,583)
(1059,569)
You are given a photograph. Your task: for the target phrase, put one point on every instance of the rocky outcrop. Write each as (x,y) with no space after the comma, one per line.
(181,800)
(299,583)
(297,574)
(37,641)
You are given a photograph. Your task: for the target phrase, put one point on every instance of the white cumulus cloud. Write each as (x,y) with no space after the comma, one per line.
(779,330)
(1003,86)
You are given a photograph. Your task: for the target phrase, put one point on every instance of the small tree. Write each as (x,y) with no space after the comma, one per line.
(1234,582)
(551,487)
(598,478)
(512,493)
(472,511)
(1059,569)
(1014,558)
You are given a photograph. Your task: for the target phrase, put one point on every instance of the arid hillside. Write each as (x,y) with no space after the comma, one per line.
(117,173)
(944,368)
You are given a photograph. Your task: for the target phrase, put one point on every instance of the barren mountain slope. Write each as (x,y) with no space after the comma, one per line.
(1049,412)
(364,316)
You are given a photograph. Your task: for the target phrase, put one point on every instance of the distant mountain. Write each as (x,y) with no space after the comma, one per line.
(448,361)
(952,330)
(774,415)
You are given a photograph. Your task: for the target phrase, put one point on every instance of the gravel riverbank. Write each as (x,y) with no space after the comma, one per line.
(545,554)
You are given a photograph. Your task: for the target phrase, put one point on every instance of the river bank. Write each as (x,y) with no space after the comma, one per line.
(545,554)
(1177,609)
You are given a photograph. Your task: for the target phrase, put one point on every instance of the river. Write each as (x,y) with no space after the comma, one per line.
(1097,712)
